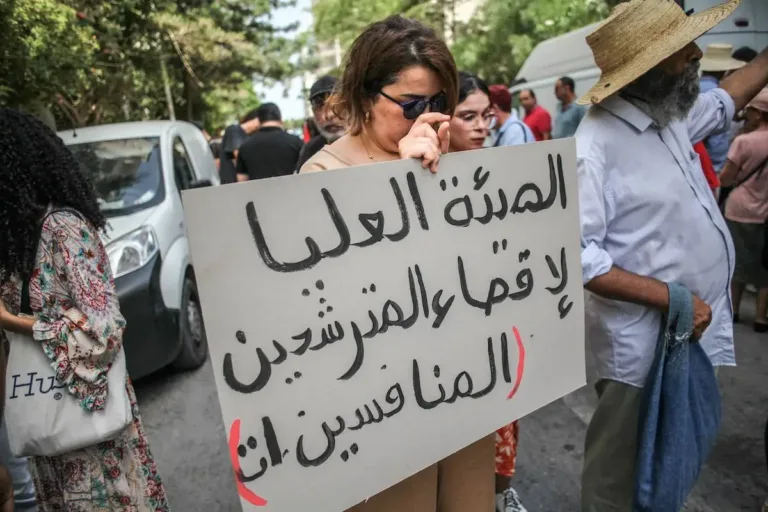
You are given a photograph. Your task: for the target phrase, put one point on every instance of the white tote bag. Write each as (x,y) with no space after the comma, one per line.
(43,418)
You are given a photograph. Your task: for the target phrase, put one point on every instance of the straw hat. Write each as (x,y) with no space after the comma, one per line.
(717,58)
(639,34)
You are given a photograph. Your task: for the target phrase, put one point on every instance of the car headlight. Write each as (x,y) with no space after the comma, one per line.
(132,251)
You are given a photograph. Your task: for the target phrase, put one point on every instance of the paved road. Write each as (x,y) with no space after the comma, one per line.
(186,431)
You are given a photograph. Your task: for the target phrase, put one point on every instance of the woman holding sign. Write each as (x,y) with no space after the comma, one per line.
(397,91)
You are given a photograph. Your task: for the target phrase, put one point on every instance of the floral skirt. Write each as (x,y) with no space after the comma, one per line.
(506,449)
(118,475)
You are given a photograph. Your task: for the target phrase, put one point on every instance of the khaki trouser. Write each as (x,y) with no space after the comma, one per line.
(610,452)
(463,482)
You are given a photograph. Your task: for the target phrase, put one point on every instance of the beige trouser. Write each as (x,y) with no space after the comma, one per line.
(463,482)
(608,476)
(610,452)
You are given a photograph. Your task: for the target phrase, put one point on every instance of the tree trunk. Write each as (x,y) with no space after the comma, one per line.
(189,92)
(167,87)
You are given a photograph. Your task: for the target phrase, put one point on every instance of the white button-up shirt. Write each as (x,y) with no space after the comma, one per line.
(646,208)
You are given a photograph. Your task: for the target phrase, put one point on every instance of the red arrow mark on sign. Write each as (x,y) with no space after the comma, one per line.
(242,490)
(520,362)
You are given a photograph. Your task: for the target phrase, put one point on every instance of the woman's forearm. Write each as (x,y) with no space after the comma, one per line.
(18,324)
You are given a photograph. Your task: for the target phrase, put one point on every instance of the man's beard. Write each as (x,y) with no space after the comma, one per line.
(331,135)
(666,98)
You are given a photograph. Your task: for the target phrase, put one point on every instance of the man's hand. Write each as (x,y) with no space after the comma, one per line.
(702,317)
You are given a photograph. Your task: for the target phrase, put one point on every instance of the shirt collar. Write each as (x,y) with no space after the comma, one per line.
(510,120)
(625,110)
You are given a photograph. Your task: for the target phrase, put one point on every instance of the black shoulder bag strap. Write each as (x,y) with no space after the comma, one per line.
(525,132)
(519,125)
(497,143)
(25,307)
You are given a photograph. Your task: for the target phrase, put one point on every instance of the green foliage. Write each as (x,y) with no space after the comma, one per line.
(493,44)
(225,104)
(41,51)
(95,62)
(345,19)
(496,42)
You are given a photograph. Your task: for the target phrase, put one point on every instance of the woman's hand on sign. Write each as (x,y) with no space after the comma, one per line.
(424,143)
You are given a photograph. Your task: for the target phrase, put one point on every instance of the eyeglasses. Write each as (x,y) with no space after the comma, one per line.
(470,118)
(415,107)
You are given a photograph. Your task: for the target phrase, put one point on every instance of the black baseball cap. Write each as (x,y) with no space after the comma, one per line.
(323,85)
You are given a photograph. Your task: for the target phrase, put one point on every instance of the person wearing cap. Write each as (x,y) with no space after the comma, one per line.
(746,208)
(648,217)
(717,61)
(511,131)
(330,127)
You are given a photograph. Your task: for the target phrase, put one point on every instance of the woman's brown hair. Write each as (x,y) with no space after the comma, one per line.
(379,54)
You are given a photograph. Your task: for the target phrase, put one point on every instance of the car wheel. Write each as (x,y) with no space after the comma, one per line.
(194,345)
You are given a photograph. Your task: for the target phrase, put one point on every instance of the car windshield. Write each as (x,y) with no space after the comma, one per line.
(126,173)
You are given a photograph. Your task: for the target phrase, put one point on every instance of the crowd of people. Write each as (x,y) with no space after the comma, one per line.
(660,152)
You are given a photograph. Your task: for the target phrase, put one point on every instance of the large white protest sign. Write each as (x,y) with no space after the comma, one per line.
(365,323)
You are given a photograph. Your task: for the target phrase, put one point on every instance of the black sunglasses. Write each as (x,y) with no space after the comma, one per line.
(415,107)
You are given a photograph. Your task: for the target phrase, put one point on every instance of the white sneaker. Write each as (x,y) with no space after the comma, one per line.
(509,501)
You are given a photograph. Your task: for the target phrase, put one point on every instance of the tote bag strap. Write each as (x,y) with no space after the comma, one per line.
(25,307)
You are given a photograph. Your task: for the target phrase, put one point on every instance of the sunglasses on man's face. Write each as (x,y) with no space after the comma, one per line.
(415,107)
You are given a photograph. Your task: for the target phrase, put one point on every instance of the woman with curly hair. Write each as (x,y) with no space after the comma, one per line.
(49,237)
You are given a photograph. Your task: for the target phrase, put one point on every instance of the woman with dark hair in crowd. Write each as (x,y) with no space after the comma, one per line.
(50,224)
(470,126)
(473,116)
(399,83)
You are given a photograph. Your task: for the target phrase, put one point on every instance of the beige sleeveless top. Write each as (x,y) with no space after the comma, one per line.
(325,160)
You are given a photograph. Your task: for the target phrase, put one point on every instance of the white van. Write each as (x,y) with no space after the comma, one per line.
(139,171)
(569,54)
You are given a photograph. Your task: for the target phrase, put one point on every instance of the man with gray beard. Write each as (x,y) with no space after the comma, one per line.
(648,217)
(331,128)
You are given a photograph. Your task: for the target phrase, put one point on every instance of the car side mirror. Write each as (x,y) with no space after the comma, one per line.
(200,184)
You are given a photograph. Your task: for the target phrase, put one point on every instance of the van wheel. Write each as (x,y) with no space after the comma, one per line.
(194,345)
